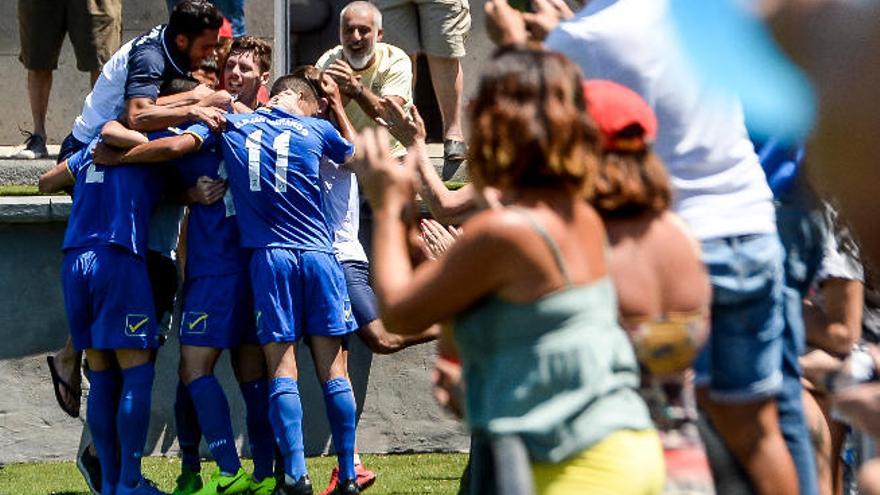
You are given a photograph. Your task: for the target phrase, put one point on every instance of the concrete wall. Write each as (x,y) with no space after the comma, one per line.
(71,86)
(397,412)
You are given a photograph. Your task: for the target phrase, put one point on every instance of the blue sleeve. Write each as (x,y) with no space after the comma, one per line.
(146,64)
(202,132)
(336,147)
(79,160)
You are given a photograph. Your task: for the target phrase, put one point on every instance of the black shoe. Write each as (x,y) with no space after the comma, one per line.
(303,486)
(34,147)
(454,150)
(90,467)
(346,487)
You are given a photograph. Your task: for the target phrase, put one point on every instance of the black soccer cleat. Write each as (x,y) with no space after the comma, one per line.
(346,487)
(303,486)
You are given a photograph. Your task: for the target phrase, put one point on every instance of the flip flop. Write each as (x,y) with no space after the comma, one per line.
(56,381)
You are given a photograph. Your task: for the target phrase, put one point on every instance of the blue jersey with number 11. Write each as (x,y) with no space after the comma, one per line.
(272,158)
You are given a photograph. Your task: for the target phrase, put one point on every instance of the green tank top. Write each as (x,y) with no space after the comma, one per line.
(559,372)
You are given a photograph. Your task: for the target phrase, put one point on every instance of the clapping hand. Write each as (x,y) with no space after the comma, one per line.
(342,73)
(437,238)
(385,182)
(408,128)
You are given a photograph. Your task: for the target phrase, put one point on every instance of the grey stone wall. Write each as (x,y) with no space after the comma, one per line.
(397,412)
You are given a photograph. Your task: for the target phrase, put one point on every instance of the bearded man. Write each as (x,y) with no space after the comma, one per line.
(367,70)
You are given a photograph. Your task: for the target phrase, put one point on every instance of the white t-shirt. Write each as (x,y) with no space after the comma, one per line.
(107,99)
(342,210)
(720,188)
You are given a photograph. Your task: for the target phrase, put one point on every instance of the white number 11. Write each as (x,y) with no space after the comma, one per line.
(281,146)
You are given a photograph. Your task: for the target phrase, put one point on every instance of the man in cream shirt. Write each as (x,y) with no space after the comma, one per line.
(366,69)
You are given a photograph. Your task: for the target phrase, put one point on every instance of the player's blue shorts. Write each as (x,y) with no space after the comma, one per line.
(299,293)
(218,311)
(363,299)
(108,299)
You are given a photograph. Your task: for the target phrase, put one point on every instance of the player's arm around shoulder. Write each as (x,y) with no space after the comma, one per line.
(160,150)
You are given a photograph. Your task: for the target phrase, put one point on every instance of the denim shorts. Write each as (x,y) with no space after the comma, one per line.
(743,359)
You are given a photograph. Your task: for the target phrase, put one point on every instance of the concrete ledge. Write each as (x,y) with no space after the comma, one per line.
(34,209)
(19,172)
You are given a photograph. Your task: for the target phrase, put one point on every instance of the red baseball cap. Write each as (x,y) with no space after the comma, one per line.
(226,29)
(616,108)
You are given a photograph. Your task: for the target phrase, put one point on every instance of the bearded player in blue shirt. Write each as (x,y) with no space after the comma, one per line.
(272,159)
(109,303)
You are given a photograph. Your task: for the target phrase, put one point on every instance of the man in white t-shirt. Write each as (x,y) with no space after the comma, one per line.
(366,69)
(747,373)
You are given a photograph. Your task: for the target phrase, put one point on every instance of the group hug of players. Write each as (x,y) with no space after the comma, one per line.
(260,272)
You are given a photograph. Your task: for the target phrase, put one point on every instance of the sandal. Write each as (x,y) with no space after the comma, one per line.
(73,412)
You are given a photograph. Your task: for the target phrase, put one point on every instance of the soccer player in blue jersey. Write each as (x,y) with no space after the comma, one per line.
(272,158)
(109,304)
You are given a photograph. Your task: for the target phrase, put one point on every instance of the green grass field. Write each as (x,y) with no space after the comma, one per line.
(396,474)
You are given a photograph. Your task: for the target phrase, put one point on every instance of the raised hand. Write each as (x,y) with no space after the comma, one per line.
(438,238)
(342,73)
(408,128)
(547,15)
(385,182)
(505,24)
(213,117)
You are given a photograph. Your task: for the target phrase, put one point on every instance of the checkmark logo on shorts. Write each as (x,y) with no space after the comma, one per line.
(135,325)
(195,322)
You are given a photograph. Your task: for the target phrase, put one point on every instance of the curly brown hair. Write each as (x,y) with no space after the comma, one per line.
(631,184)
(530,127)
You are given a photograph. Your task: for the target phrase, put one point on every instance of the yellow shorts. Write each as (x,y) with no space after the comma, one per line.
(624,463)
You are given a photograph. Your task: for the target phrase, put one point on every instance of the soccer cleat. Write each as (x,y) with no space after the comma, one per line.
(346,487)
(365,479)
(144,487)
(264,487)
(221,484)
(303,486)
(188,482)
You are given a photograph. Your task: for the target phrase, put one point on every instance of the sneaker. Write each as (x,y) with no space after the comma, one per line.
(365,479)
(454,150)
(264,487)
(346,487)
(90,467)
(303,486)
(188,482)
(236,484)
(34,147)
(144,487)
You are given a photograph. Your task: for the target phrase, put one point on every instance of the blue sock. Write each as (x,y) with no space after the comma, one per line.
(256,398)
(133,421)
(213,410)
(101,417)
(189,434)
(341,411)
(285,414)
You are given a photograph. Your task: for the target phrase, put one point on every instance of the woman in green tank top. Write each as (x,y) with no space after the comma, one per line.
(527,285)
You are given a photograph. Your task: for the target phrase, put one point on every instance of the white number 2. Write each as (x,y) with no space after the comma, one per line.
(281,146)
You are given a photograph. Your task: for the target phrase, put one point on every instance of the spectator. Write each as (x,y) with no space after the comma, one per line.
(95,30)
(231,9)
(438,29)
(721,193)
(366,69)
(583,425)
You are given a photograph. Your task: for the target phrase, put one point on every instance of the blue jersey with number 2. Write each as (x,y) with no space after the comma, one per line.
(111,205)
(272,158)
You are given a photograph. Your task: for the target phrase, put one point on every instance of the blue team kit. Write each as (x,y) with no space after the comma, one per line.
(107,292)
(272,161)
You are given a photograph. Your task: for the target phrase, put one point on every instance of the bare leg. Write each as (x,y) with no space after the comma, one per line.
(330,360)
(196,362)
(39,87)
(281,360)
(752,433)
(444,70)
(248,363)
(820,435)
